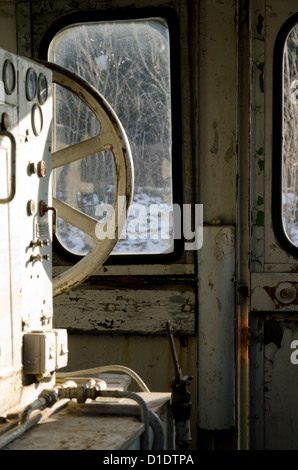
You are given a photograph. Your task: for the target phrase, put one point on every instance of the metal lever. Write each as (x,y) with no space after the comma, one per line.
(12,170)
(178,372)
(180,399)
(43,208)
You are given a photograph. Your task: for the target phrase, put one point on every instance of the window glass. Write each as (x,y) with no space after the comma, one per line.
(290,136)
(129,63)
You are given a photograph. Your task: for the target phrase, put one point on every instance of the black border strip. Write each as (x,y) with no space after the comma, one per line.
(277,138)
(171,17)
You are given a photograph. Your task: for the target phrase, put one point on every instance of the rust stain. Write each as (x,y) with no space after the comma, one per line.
(244,338)
(270,291)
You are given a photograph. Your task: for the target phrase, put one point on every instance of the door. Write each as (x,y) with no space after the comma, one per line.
(273,317)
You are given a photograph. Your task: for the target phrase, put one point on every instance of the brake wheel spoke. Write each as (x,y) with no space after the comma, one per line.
(73,216)
(81,150)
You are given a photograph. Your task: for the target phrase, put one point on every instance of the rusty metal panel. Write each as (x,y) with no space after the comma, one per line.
(274,382)
(280,386)
(216,329)
(257,356)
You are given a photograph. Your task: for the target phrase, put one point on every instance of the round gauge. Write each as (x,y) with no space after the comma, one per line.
(36,119)
(42,88)
(9,77)
(31,84)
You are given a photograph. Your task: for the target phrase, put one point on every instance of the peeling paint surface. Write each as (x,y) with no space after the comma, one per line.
(105,307)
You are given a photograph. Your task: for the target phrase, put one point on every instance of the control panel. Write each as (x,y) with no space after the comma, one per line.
(30,349)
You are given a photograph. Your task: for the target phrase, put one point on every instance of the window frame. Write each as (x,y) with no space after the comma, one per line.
(277,137)
(171,17)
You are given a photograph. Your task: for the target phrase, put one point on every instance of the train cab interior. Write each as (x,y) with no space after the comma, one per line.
(149,225)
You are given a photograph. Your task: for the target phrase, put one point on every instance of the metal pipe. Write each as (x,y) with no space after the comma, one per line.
(38,404)
(143,408)
(83,393)
(244,223)
(109,368)
(49,397)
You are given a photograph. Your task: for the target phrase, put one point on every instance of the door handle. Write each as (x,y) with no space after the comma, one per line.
(8,168)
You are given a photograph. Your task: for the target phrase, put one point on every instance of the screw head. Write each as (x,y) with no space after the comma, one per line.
(286,293)
(31,207)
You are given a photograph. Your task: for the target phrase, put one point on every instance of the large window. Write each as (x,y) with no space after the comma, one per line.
(285,137)
(129,63)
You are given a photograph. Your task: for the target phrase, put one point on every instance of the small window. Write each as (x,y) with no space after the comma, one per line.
(129,63)
(285,137)
(290,136)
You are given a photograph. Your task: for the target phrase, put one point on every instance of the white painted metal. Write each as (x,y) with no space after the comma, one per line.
(10,275)
(216,329)
(37,301)
(26,237)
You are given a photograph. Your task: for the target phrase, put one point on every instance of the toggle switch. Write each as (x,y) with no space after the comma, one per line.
(39,243)
(39,257)
(44,208)
(5,123)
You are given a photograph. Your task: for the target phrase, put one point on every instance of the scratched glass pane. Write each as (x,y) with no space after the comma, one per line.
(129,63)
(290,136)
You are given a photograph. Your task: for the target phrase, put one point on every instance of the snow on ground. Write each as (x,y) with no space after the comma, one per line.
(290,216)
(145,230)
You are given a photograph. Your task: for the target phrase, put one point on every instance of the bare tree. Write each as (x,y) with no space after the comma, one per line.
(128,62)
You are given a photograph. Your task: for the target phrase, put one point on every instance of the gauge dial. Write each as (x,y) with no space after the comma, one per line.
(9,77)
(36,119)
(31,84)
(42,89)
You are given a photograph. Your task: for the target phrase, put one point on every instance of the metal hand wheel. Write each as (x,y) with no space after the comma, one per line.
(113,138)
